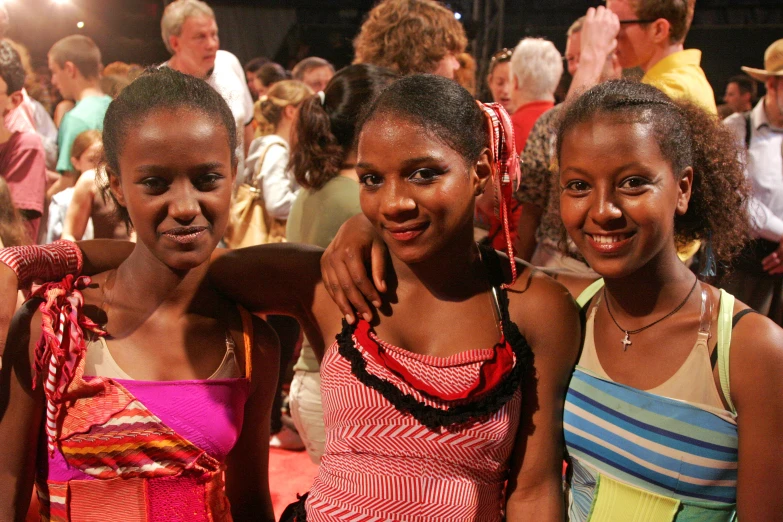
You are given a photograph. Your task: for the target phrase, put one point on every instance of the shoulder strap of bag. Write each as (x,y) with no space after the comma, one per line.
(260,163)
(724,345)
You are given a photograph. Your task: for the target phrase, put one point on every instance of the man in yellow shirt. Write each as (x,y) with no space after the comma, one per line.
(651,37)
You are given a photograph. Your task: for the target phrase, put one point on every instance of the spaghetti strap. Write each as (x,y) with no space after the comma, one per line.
(724,345)
(589,292)
(247,339)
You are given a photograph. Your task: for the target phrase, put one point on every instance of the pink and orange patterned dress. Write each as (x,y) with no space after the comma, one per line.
(122,449)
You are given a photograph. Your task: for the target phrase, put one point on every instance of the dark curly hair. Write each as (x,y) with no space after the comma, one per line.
(325,132)
(439,105)
(688,137)
(394,30)
(11,68)
(158,89)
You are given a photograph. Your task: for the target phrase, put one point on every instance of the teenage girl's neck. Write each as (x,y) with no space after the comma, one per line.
(143,278)
(451,274)
(662,281)
(283,130)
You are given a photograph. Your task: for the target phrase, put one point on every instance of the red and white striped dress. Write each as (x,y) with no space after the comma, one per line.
(380,464)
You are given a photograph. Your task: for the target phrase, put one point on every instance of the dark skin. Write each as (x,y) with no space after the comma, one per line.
(177,170)
(615,183)
(419,195)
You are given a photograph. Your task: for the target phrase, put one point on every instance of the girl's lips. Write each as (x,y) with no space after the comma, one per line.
(185,235)
(608,243)
(407,233)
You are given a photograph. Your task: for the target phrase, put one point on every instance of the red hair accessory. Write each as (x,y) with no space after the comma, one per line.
(505,169)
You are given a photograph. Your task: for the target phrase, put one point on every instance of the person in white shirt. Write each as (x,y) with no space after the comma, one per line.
(190,32)
(757,278)
(267,162)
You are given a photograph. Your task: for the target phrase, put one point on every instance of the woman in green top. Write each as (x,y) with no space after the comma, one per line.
(322,160)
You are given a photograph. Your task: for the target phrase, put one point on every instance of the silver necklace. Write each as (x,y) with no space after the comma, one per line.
(627,339)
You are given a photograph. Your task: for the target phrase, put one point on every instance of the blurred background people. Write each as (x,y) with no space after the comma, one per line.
(314,72)
(87,151)
(392,34)
(499,79)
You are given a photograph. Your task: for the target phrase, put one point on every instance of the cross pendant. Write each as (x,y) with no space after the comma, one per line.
(626,341)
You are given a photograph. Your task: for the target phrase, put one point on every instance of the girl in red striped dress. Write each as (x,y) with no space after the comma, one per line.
(445,402)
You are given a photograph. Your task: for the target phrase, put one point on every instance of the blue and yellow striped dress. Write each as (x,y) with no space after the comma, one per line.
(642,457)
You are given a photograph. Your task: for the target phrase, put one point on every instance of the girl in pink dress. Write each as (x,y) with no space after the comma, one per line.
(147,400)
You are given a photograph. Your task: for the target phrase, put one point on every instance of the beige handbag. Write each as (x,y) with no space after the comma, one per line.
(249,223)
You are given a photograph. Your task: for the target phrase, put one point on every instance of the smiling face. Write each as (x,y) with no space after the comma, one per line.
(619,195)
(417,191)
(175,180)
(500,86)
(196,46)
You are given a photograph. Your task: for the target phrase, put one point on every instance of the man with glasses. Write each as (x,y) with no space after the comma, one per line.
(651,37)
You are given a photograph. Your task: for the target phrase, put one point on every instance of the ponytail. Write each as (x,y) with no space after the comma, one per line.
(271,105)
(316,155)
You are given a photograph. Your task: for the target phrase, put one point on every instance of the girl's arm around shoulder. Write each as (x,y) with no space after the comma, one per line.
(756,378)
(275,278)
(548,317)
(21,413)
(247,471)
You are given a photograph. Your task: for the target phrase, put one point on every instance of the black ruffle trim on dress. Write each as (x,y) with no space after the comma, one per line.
(459,414)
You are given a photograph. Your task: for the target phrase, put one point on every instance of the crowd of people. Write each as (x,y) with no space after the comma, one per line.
(562,304)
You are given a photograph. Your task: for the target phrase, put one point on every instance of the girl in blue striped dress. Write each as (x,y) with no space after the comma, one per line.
(672,370)
(668,377)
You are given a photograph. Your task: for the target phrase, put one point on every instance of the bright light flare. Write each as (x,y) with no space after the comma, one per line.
(80,25)
(61,2)
(458,16)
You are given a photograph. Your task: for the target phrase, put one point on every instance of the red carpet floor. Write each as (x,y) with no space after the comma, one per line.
(290,473)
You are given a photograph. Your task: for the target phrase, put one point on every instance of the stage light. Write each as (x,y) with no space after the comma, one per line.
(80,25)
(458,16)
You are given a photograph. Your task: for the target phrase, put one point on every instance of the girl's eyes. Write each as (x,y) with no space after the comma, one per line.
(424,175)
(203,183)
(420,176)
(207,181)
(634,182)
(370,180)
(154,185)
(576,185)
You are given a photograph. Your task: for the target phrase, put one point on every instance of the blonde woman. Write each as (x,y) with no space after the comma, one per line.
(267,162)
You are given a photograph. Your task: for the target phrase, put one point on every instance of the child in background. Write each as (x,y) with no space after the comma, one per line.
(85,155)
(91,215)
